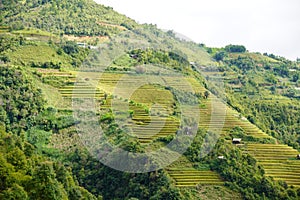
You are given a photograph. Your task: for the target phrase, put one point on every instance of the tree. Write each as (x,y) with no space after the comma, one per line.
(16,192)
(44,185)
(17,158)
(290,92)
(70,48)
(235,48)
(220,56)
(6,171)
(296,77)
(206,94)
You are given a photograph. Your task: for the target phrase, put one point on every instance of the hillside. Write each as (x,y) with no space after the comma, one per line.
(96,106)
(75,17)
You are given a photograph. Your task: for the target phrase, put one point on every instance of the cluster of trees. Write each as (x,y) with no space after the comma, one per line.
(160,57)
(244,63)
(77,54)
(221,54)
(20,100)
(10,42)
(235,48)
(112,184)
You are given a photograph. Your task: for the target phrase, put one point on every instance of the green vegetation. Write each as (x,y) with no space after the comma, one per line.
(160,57)
(20,100)
(42,155)
(27,175)
(119,185)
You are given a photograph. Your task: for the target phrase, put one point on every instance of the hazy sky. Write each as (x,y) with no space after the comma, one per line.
(271,26)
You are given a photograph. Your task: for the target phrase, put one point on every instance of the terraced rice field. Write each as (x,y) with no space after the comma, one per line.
(159,127)
(147,124)
(190,177)
(215,115)
(81,92)
(185,175)
(278,161)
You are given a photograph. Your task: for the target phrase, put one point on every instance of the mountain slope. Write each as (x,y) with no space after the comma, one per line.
(139,54)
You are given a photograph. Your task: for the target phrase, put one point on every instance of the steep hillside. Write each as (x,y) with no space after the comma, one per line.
(86,91)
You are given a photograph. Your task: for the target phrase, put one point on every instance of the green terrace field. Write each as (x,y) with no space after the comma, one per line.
(148,122)
(187,176)
(81,92)
(278,161)
(95,105)
(150,107)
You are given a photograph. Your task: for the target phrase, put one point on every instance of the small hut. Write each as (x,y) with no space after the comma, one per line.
(298,156)
(221,157)
(236,141)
